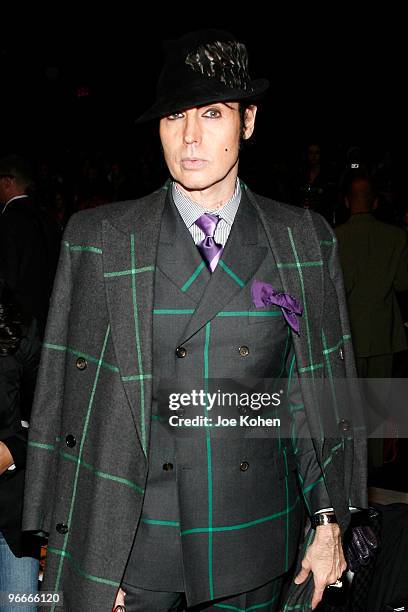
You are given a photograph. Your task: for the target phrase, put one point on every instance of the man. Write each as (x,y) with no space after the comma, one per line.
(29,242)
(19,358)
(374,259)
(165,287)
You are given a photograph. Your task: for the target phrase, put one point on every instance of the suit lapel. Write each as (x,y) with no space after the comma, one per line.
(241,257)
(180,260)
(129,258)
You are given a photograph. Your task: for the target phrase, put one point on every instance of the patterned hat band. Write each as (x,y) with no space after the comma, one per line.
(225,61)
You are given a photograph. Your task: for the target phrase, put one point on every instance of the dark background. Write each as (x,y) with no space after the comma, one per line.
(75,81)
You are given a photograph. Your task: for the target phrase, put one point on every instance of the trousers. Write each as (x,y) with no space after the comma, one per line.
(265,598)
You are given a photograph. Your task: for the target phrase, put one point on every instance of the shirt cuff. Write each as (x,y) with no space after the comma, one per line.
(351,508)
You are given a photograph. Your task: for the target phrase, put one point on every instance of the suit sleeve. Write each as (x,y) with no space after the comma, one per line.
(310,474)
(46,414)
(9,251)
(354,446)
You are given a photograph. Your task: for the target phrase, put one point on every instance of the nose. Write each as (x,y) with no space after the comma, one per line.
(192,133)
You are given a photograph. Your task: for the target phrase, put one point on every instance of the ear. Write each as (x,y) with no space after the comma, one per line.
(346,201)
(249,121)
(375,204)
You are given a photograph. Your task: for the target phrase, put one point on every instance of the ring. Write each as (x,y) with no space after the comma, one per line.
(338,584)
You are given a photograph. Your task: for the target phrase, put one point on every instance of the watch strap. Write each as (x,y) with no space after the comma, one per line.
(322,519)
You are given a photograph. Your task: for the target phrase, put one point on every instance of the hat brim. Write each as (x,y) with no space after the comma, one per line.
(202,96)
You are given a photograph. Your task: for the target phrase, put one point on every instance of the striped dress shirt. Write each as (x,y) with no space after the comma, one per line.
(190,211)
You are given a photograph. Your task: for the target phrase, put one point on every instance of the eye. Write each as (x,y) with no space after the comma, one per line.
(174,116)
(212,113)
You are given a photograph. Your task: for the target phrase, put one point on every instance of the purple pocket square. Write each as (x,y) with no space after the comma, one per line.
(263,294)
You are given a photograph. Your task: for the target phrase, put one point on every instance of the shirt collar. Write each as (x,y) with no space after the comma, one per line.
(19,197)
(190,211)
(12,200)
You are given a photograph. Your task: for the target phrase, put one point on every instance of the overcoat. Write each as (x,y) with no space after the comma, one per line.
(91,420)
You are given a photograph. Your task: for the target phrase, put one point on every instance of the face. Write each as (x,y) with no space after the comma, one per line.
(313,154)
(201,144)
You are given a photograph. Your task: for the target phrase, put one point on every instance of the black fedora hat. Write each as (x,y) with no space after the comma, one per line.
(200,68)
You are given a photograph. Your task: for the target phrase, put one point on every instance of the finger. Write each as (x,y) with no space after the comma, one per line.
(120,598)
(302,575)
(317,596)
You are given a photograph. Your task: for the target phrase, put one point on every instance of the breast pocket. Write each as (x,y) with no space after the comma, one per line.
(270,314)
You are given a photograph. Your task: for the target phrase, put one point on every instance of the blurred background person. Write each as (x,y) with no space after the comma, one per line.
(374,259)
(315,185)
(19,358)
(29,241)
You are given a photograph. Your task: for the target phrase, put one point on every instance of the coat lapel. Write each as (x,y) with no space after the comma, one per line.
(129,257)
(241,257)
(179,258)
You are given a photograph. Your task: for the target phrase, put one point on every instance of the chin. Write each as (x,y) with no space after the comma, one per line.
(196,182)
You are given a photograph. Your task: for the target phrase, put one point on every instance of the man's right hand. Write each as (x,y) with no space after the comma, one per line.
(120,599)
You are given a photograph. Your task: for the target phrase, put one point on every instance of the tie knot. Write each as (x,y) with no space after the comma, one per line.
(208,223)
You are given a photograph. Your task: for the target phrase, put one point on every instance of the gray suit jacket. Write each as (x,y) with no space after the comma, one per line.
(95,382)
(213,491)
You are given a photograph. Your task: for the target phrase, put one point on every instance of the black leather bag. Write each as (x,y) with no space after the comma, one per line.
(360,542)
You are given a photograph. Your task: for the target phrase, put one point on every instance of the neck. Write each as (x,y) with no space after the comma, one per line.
(214,196)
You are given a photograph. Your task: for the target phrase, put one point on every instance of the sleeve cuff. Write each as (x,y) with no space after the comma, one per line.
(351,508)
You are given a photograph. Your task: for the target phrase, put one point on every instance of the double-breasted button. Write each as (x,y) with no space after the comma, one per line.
(243,351)
(181,351)
(62,528)
(167,467)
(81,363)
(344,425)
(341,354)
(70,440)
(244,466)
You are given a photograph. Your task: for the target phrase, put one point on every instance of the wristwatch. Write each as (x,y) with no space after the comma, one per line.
(322,519)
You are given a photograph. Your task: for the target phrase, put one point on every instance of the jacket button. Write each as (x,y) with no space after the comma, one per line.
(244,466)
(62,528)
(341,354)
(344,425)
(81,363)
(70,440)
(243,351)
(167,467)
(181,351)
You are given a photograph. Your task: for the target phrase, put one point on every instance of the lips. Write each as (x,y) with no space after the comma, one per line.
(192,163)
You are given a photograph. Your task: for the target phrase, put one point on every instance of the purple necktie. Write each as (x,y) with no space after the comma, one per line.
(209,249)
